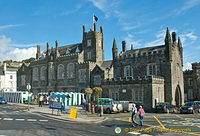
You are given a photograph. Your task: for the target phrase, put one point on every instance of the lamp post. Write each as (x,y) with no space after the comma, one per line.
(28,87)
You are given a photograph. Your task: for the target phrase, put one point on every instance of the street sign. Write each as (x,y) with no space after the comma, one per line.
(28,87)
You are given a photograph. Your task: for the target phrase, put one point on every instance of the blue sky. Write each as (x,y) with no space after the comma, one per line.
(26,23)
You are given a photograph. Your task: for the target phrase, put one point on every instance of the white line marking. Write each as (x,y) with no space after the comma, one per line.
(20,119)
(43,120)
(31,120)
(7,119)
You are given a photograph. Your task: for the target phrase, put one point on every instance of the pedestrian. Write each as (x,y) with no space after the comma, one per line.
(133,116)
(141,115)
(40,101)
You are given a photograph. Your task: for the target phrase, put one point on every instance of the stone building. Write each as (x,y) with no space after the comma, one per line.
(192,83)
(68,68)
(144,76)
(160,66)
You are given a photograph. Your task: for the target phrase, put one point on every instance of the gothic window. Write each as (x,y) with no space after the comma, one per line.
(43,73)
(189,82)
(35,74)
(89,55)
(70,70)
(67,52)
(89,43)
(128,71)
(61,71)
(97,80)
(190,94)
(23,68)
(51,72)
(82,75)
(151,69)
(11,77)
(23,80)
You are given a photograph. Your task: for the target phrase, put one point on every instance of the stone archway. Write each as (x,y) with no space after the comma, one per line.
(178,98)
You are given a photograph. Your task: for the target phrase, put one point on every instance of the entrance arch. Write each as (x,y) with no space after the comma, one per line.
(178,98)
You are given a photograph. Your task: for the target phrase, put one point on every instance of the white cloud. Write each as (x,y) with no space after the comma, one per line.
(8,51)
(186,6)
(160,38)
(21,54)
(187,66)
(9,26)
(130,40)
(188,38)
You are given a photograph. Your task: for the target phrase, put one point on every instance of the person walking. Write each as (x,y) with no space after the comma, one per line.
(133,116)
(40,100)
(141,115)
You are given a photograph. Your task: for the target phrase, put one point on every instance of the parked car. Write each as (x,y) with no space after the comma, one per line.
(3,100)
(190,107)
(165,107)
(108,105)
(127,106)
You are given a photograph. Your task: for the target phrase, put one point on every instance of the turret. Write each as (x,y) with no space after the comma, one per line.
(123,46)
(95,27)
(180,48)
(168,45)
(57,53)
(131,46)
(101,29)
(174,37)
(38,54)
(114,50)
(47,53)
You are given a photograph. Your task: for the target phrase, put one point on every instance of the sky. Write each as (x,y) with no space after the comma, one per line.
(26,23)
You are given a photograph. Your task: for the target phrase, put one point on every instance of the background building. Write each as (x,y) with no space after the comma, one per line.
(8,79)
(192,83)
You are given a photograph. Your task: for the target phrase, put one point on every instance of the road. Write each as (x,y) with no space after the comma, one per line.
(14,121)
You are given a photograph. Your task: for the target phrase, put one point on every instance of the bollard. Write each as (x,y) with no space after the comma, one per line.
(101,114)
(89,108)
(92,109)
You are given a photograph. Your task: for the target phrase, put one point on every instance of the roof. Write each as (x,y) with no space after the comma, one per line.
(106,64)
(68,49)
(148,49)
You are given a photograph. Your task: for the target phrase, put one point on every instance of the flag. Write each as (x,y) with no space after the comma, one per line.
(95,18)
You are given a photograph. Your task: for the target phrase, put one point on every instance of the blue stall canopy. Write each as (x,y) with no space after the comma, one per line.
(60,95)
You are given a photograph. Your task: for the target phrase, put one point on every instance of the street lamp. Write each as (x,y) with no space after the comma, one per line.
(28,87)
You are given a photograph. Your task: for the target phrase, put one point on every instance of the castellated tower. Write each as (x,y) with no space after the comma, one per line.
(173,70)
(93,45)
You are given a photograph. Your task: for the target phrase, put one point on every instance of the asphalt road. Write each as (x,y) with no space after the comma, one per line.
(14,121)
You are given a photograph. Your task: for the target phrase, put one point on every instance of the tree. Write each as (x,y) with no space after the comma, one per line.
(28,60)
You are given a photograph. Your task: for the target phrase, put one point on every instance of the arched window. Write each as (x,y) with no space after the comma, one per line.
(51,72)
(35,74)
(128,71)
(61,71)
(70,70)
(43,73)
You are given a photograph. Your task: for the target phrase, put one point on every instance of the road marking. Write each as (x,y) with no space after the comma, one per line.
(159,122)
(179,116)
(31,120)
(43,120)
(20,119)
(7,119)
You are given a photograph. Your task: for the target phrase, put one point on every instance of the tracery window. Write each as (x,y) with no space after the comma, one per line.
(35,74)
(70,70)
(61,71)
(43,73)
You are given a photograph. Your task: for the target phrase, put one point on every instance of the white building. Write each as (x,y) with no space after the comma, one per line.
(8,80)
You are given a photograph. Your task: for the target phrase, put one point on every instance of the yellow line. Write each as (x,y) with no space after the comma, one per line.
(179,116)
(159,122)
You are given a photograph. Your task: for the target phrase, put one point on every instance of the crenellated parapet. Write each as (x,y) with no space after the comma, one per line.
(135,80)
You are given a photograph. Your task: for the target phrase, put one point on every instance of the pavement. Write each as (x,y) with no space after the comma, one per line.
(83,116)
